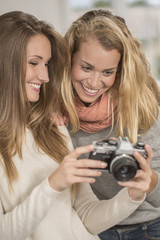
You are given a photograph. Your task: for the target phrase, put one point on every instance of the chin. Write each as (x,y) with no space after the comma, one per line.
(33,99)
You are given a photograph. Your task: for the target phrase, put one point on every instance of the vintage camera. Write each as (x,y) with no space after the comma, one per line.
(118,153)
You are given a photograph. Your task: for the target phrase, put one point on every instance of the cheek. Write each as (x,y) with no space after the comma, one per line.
(77,74)
(74,74)
(29,74)
(109,82)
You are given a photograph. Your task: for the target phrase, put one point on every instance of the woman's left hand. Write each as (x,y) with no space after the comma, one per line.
(145,178)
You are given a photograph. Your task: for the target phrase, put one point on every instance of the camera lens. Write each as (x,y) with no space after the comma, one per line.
(123,167)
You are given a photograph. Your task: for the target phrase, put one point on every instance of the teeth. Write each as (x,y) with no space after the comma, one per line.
(89,90)
(37,86)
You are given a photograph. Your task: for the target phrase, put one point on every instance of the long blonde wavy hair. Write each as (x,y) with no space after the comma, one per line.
(136,91)
(16,113)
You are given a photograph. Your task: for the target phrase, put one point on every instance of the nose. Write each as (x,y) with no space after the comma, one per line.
(43,75)
(95,79)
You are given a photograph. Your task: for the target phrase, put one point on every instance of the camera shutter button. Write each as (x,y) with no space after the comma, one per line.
(140,145)
(112,142)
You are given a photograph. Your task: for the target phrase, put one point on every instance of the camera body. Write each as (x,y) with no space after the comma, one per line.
(118,153)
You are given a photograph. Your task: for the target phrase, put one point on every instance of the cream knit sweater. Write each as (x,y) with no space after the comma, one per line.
(35,211)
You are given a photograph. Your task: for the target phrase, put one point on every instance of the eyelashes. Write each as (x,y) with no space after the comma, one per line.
(33,63)
(105,72)
(36,64)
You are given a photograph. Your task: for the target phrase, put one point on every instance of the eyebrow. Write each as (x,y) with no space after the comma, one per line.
(37,56)
(90,65)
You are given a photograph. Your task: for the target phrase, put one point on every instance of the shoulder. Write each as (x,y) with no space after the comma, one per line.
(155,129)
(158,120)
(151,137)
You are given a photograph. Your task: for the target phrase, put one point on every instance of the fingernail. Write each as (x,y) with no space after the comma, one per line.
(103,164)
(99,173)
(91,146)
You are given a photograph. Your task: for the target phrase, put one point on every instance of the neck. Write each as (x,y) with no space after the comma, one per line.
(86,104)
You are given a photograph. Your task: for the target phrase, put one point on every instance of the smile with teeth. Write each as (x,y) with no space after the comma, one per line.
(90,90)
(34,85)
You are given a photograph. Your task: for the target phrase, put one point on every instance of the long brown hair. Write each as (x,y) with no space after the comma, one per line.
(16,28)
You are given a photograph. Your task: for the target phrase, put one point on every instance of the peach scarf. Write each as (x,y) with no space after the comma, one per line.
(98,115)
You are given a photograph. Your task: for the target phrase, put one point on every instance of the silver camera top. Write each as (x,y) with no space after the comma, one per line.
(117,146)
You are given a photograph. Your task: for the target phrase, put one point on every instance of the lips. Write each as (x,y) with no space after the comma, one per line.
(35,87)
(90,91)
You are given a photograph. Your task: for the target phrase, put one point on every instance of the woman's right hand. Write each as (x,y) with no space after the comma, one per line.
(60,120)
(71,170)
(145,178)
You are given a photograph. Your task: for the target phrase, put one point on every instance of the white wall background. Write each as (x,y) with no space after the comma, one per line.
(55,12)
(143,22)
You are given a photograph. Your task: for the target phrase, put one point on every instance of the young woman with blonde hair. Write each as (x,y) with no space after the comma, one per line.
(116,95)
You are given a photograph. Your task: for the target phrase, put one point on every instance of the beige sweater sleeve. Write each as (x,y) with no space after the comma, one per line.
(98,216)
(22,220)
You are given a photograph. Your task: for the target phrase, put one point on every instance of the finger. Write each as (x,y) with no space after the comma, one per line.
(65,119)
(56,122)
(134,183)
(144,164)
(140,181)
(149,152)
(142,176)
(89,163)
(139,175)
(143,186)
(81,150)
(88,173)
(61,123)
(61,120)
(78,179)
(113,138)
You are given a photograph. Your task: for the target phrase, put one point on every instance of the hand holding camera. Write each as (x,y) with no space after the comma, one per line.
(129,164)
(118,154)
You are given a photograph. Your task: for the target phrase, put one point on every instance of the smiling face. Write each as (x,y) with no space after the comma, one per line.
(38,54)
(93,70)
